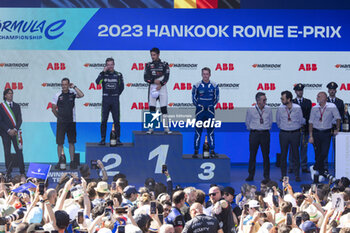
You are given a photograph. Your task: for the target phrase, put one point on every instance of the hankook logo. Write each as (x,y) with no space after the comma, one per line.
(138,85)
(343,66)
(14,65)
(52,85)
(228,85)
(267,66)
(183,66)
(94,65)
(181,105)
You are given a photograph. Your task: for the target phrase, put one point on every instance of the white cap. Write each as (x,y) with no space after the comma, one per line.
(104,230)
(253,204)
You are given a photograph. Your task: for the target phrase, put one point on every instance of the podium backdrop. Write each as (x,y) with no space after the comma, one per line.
(247,51)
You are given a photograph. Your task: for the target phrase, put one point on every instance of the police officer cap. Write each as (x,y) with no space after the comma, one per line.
(299,87)
(332,85)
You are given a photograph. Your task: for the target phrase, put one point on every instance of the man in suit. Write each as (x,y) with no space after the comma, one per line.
(306,106)
(10,123)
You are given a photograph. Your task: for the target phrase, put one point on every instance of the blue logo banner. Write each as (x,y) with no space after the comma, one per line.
(37,170)
(174,29)
(24,187)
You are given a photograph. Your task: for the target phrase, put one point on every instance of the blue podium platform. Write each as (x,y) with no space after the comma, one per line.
(145,156)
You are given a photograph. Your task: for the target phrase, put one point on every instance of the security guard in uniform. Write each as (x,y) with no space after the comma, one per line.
(306,106)
(332,90)
(113,86)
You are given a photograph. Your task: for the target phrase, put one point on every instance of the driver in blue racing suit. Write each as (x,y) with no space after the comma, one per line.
(205,95)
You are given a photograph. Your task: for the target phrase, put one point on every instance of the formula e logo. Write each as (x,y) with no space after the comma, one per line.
(31,29)
(151,120)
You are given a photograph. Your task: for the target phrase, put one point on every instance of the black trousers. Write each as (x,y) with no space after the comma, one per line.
(292,139)
(304,138)
(322,141)
(262,139)
(10,159)
(110,104)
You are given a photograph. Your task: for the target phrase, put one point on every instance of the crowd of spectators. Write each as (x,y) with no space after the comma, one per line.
(94,205)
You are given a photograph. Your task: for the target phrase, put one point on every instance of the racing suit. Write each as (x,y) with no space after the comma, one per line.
(205,96)
(112,87)
(158,70)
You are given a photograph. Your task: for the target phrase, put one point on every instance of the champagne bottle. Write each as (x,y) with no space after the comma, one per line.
(206,148)
(113,137)
(345,127)
(62,161)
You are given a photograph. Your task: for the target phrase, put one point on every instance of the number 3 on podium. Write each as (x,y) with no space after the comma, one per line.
(208,171)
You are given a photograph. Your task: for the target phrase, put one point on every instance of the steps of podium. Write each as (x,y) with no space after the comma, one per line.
(146,154)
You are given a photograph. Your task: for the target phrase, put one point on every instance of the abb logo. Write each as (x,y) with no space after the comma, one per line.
(225,67)
(14,86)
(182,86)
(138,66)
(308,67)
(224,106)
(94,86)
(266,86)
(139,106)
(345,87)
(56,66)
(49,106)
